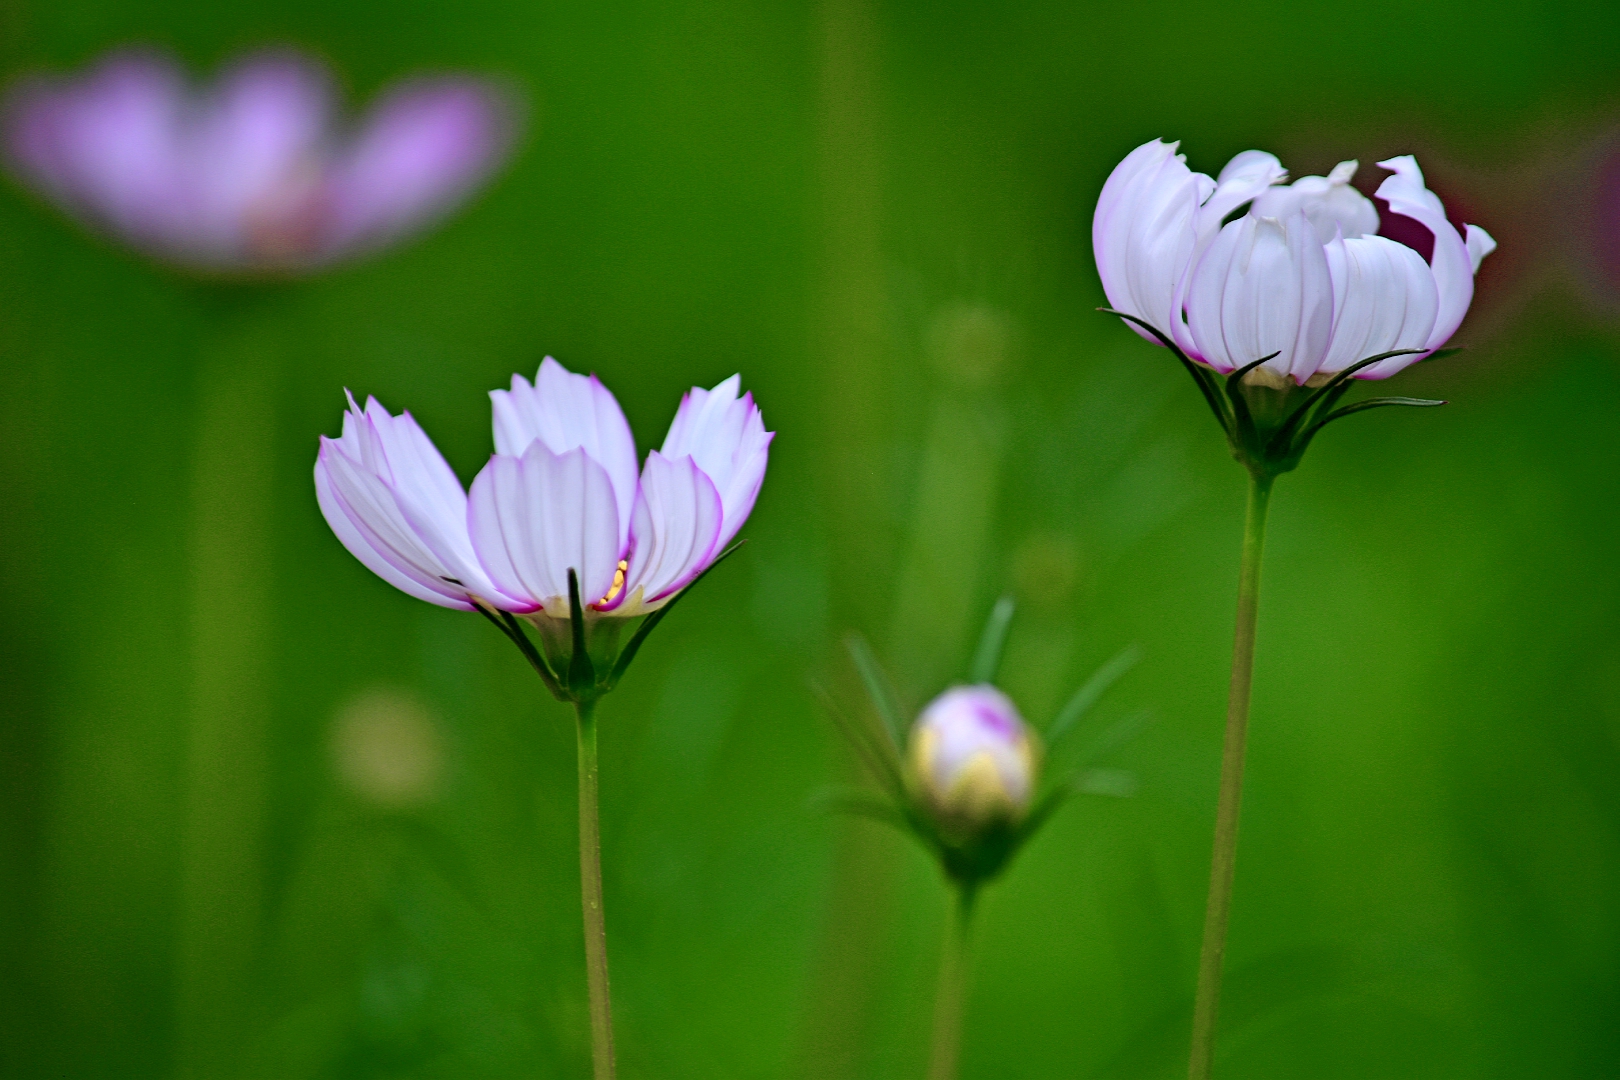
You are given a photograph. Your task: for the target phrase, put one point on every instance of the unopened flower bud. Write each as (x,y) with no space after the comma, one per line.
(972,760)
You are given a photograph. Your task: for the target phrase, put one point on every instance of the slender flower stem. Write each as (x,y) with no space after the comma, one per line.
(1207,1003)
(590,883)
(953,970)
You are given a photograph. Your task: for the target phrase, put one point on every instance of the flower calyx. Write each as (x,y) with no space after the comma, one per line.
(1269,421)
(580,658)
(966,778)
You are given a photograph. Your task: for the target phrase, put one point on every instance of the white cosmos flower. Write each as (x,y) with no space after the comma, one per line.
(1301,274)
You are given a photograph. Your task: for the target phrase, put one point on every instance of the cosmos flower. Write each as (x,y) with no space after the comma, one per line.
(1301,274)
(254,174)
(562,493)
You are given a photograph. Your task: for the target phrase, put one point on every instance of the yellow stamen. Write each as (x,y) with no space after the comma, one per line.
(618,582)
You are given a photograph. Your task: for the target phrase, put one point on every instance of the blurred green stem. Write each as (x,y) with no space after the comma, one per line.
(590,883)
(230,599)
(1207,1002)
(953,969)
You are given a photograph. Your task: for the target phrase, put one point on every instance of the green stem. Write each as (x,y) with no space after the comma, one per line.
(1207,1002)
(590,883)
(953,969)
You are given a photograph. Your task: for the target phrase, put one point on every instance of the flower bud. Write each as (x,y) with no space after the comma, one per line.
(972,760)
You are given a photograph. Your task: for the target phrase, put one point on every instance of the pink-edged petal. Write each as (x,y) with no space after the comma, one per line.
(1263,287)
(725,435)
(1142,232)
(1453,261)
(365,515)
(675,535)
(1384,299)
(535,517)
(563,411)
(1247,177)
(422,149)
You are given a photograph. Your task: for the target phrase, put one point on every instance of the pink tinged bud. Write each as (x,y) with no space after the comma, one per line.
(251,174)
(393,501)
(972,760)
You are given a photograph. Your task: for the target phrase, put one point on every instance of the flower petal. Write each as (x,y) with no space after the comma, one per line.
(1384,299)
(421,150)
(727,439)
(1454,260)
(564,410)
(393,501)
(676,532)
(1142,232)
(253,161)
(535,517)
(1262,287)
(1332,205)
(106,145)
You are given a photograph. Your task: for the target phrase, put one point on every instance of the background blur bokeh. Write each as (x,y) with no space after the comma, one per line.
(880,214)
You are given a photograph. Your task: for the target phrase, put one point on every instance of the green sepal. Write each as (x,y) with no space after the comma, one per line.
(1092,689)
(878,689)
(581,672)
(987,657)
(653,619)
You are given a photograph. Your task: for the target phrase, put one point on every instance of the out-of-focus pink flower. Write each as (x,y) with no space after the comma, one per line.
(254,173)
(562,492)
(1301,274)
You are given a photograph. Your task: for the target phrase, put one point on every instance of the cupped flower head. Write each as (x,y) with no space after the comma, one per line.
(972,760)
(394,502)
(562,493)
(1300,277)
(252,174)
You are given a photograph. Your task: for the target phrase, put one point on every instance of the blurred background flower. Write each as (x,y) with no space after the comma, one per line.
(257,172)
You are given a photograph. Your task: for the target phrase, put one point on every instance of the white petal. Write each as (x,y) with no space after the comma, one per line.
(536,517)
(1479,244)
(1453,262)
(564,410)
(726,437)
(1142,231)
(1263,287)
(1385,299)
(363,545)
(1331,204)
(676,531)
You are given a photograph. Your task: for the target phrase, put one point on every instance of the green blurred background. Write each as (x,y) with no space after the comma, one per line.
(880,215)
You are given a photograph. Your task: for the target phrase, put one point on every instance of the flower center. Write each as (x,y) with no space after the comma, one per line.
(618,582)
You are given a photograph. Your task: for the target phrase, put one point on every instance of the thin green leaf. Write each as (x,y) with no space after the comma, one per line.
(1094,688)
(1373,403)
(1203,376)
(1117,735)
(987,659)
(507,624)
(1440,354)
(1242,419)
(634,646)
(861,804)
(1326,395)
(1114,783)
(872,747)
(877,688)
